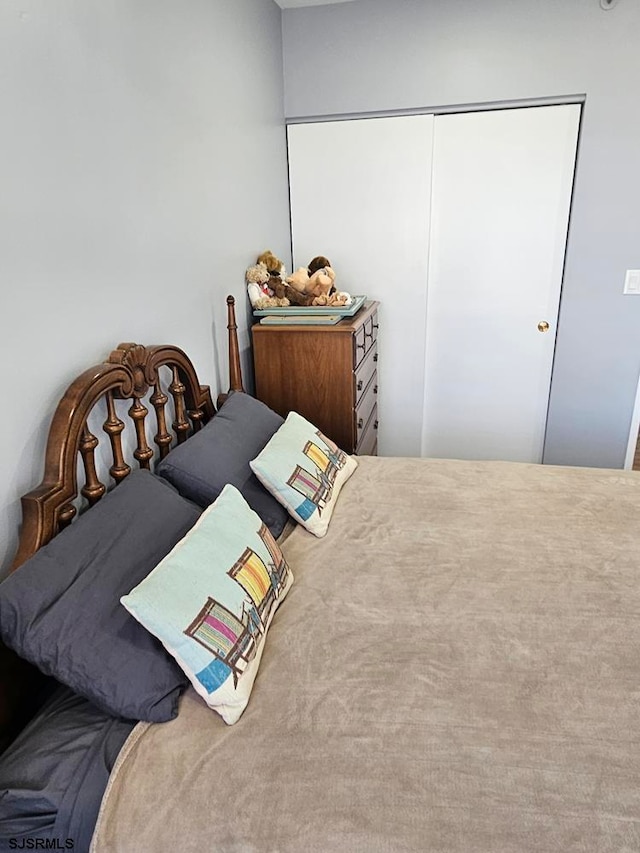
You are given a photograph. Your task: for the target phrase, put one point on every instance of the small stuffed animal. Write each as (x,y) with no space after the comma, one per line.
(271,302)
(320,283)
(299,280)
(276,271)
(264,289)
(296,298)
(341,297)
(277,285)
(318,263)
(274,265)
(256,278)
(324,270)
(333,300)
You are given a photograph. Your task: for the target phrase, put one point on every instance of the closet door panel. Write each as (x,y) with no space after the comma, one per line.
(501,194)
(360,194)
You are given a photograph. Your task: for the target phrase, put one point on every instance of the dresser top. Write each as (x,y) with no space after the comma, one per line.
(347,325)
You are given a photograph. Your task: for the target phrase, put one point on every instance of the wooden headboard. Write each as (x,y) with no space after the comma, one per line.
(161,378)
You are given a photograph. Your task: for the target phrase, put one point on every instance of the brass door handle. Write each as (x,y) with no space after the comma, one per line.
(543,326)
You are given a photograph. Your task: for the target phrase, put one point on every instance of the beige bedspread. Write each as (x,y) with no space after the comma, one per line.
(456,668)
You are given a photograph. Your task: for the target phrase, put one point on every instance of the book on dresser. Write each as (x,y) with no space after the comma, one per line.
(327,373)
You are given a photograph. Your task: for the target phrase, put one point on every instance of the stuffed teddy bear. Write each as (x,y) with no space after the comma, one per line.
(299,280)
(271,302)
(320,283)
(274,265)
(277,285)
(295,297)
(337,299)
(262,292)
(320,266)
(276,271)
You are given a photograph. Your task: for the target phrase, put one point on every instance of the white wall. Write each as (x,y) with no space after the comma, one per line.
(373,56)
(142,168)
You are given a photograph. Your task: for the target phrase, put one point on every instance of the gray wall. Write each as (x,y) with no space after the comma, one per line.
(142,168)
(395,55)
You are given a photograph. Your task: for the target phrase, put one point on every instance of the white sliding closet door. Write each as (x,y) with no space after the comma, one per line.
(457,224)
(501,194)
(360,194)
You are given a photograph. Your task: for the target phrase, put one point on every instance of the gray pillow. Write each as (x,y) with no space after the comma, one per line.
(220,453)
(61,610)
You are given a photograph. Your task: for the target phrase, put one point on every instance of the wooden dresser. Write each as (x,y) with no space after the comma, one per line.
(326,373)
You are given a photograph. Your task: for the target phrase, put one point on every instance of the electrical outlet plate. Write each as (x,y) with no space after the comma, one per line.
(632,282)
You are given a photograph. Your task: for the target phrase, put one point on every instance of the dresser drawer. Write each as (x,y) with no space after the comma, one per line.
(371,331)
(363,374)
(364,338)
(359,345)
(368,443)
(366,406)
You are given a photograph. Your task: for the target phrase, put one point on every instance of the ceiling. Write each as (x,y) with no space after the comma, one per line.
(295,4)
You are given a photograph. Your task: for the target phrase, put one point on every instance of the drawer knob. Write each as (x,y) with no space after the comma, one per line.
(375,389)
(359,385)
(360,346)
(360,423)
(375,326)
(375,424)
(375,357)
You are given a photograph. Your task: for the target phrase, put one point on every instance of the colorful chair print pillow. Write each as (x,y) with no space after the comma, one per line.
(305,471)
(212,598)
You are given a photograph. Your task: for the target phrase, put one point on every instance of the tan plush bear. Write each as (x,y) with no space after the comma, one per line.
(264,290)
(321,282)
(299,280)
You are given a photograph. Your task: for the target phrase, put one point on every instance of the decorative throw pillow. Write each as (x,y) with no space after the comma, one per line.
(212,599)
(220,453)
(61,611)
(305,471)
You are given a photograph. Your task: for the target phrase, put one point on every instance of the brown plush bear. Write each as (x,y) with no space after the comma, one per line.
(274,265)
(318,263)
(278,286)
(296,298)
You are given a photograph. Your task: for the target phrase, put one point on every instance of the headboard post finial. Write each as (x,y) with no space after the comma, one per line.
(235,368)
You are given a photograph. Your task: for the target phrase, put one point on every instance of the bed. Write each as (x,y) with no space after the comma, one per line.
(451,666)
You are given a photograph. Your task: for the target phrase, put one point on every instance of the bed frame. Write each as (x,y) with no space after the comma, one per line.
(131,372)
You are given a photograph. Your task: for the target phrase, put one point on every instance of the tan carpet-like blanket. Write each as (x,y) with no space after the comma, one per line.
(456,668)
